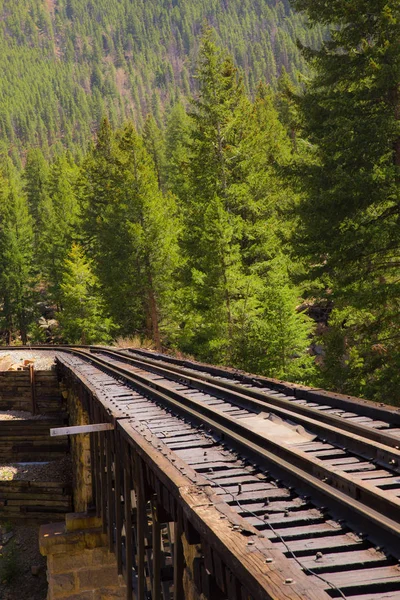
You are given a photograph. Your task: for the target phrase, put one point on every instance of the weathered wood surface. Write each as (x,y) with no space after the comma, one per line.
(16,391)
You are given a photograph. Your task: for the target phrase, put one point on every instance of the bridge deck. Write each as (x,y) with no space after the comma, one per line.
(177,497)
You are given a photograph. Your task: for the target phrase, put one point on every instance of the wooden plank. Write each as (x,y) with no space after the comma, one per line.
(371,475)
(351,579)
(141,521)
(257,495)
(343,559)
(332,542)
(118,503)
(80,429)
(128,534)
(306,531)
(285,518)
(393,595)
(110,495)
(156,541)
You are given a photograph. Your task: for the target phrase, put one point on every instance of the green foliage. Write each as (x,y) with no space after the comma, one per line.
(349,217)
(65,64)
(16,255)
(193,223)
(83,319)
(131,230)
(9,568)
(241,303)
(56,224)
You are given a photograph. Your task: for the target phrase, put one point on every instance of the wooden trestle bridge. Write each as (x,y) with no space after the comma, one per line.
(215,484)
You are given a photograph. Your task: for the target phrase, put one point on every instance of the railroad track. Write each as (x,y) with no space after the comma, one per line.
(380,423)
(359,465)
(327,506)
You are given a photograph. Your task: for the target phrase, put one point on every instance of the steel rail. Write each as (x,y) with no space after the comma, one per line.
(360,503)
(364,407)
(356,442)
(355,428)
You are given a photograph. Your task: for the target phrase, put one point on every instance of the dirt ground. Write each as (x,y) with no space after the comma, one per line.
(22,568)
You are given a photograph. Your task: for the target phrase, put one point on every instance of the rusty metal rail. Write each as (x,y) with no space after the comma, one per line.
(157,440)
(362,417)
(384,452)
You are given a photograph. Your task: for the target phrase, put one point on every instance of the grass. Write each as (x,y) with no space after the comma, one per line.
(9,563)
(134,342)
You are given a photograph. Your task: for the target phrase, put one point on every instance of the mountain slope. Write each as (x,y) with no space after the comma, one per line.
(65,63)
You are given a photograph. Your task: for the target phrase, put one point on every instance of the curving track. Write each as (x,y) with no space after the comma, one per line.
(327,508)
(318,477)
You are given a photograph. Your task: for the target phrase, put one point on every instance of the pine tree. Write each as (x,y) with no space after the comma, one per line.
(36,176)
(155,146)
(241,306)
(350,218)
(58,217)
(16,257)
(83,319)
(211,241)
(177,138)
(130,231)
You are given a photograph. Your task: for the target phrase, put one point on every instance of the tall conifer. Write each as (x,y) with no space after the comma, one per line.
(350,216)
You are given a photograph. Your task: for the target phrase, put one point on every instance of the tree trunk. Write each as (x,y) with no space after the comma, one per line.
(154,320)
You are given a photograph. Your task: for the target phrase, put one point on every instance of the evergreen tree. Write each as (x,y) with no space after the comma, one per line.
(177,138)
(212,231)
(58,217)
(36,175)
(350,218)
(131,231)
(155,145)
(238,297)
(83,319)
(16,257)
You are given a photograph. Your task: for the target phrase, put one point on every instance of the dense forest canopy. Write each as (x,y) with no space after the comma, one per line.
(210,177)
(66,63)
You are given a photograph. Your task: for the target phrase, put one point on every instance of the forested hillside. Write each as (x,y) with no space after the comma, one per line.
(66,63)
(161,180)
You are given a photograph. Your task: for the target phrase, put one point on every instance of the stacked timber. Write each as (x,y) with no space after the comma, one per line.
(34,467)
(19,391)
(29,440)
(34,500)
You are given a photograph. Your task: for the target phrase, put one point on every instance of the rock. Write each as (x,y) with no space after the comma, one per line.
(6,538)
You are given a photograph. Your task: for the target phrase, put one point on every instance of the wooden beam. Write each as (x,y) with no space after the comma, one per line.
(33,388)
(178,559)
(79,429)
(156,541)
(140,527)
